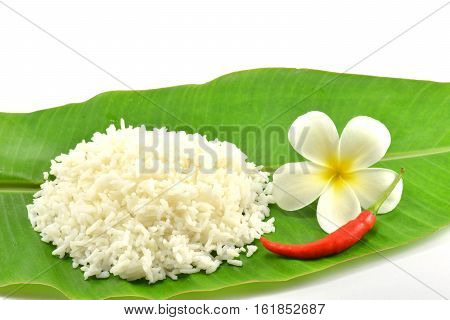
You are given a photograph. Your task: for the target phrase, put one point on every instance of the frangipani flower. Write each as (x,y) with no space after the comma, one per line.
(337,171)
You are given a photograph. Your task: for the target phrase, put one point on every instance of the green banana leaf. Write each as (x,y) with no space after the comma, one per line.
(253,109)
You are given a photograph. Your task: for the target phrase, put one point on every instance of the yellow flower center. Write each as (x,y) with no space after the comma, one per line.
(338,171)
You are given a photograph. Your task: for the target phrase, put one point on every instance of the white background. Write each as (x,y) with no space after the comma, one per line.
(114,310)
(150,44)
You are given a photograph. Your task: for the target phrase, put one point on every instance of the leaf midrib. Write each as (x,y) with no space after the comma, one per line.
(392,156)
(8,186)
(415,154)
(19,186)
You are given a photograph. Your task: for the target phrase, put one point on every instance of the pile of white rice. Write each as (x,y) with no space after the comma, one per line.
(198,203)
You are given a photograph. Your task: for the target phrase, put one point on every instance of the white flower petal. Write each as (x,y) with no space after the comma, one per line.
(295,185)
(364,141)
(337,206)
(370,184)
(315,137)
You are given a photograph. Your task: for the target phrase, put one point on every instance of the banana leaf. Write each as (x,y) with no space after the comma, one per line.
(253,109)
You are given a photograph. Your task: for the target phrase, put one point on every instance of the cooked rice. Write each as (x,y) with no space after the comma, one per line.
(251,250)
(192,211)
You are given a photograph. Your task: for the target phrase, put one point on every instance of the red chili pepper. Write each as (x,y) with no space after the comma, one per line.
(338,241)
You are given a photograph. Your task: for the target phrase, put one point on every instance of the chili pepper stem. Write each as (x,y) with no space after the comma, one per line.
(376,206)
